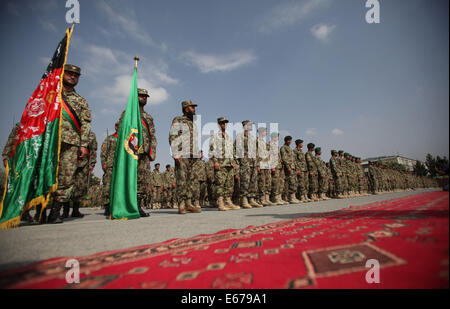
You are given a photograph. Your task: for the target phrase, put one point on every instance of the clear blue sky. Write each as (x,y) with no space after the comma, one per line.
(315,67)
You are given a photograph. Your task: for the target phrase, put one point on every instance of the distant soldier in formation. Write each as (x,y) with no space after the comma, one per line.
(184,143)
(288,161)
(302,172)
(245,149)
(312,172)
(322,174)
(265,170)
(222,153)
(170,186)
(157,184)
(200,186)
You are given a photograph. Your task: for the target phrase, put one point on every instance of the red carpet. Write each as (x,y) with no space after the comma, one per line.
(409,237)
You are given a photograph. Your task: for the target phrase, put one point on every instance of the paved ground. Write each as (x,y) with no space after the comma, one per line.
(93,233)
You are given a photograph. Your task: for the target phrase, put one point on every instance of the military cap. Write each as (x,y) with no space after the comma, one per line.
(222,119)
(262,129)
(298,142)
(72,68)
(346,154)
(143,92)
(311,146)
(340,151)
(185,104)
(317,149)
(157,164)
(246,122)
(333,152)
(168,165)
(274,134)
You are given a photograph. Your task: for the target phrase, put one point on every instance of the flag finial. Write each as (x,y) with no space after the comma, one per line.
(136,59)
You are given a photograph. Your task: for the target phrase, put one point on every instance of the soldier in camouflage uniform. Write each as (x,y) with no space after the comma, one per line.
(107,161)
(302,172)
(221,151)
(82,175)
(148,151)
(265,171)
(184,144)
(277,186)
(246,157)
(322,174)
(313,173)
(74,140)
(200,186)
(331,186)
(212,199)
(337,175)
(288,161)
(170,187)
(157,184)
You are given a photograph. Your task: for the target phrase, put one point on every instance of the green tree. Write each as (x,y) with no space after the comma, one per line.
(420,169)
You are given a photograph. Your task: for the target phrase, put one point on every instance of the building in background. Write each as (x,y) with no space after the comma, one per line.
(406,162)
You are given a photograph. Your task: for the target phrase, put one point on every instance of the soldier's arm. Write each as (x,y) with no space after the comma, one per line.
(85,118)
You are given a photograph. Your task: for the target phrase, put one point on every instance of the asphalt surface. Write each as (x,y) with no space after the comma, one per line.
(93,233)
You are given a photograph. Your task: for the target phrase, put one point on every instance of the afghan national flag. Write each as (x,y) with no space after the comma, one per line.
(32,169)
(123,193)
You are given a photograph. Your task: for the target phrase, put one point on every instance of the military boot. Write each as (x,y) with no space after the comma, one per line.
(268,201)
(283,200)
(293,199)
(190,208)
(253,203)
(76,211)
(221,204)
(244,203)
(197,204)
(55,217)
(142,213)
(230,204)
(66,210)
(107,212)
(181,208)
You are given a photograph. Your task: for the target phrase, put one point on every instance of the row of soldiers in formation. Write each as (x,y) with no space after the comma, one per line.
(250,177)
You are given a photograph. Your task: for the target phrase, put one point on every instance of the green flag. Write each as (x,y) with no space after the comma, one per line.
(123,193)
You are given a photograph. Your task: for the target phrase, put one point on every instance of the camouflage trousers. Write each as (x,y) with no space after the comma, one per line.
(224,181)
(157,196)
(290,182)
(81,182)
(170,196)
(211,188)
(277,185)
(264,182)
(200,191)
(338,184)
(313,184)
(323,184)
(67,166)
(184,174)
(143,181)
(302,183)
(106,181)
(248,177)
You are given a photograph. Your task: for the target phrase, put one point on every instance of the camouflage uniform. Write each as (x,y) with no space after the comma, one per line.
(169,180)
(289,167)
(245,151)
(147,154)
(302,179)
(265,175)
(157,184)
(210,182)
(337,176)
(9,146)
(313,176)
(322,176)
(221,151)
(200,187)
(107,160)
(71,141)
(183,140)
(83,171)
